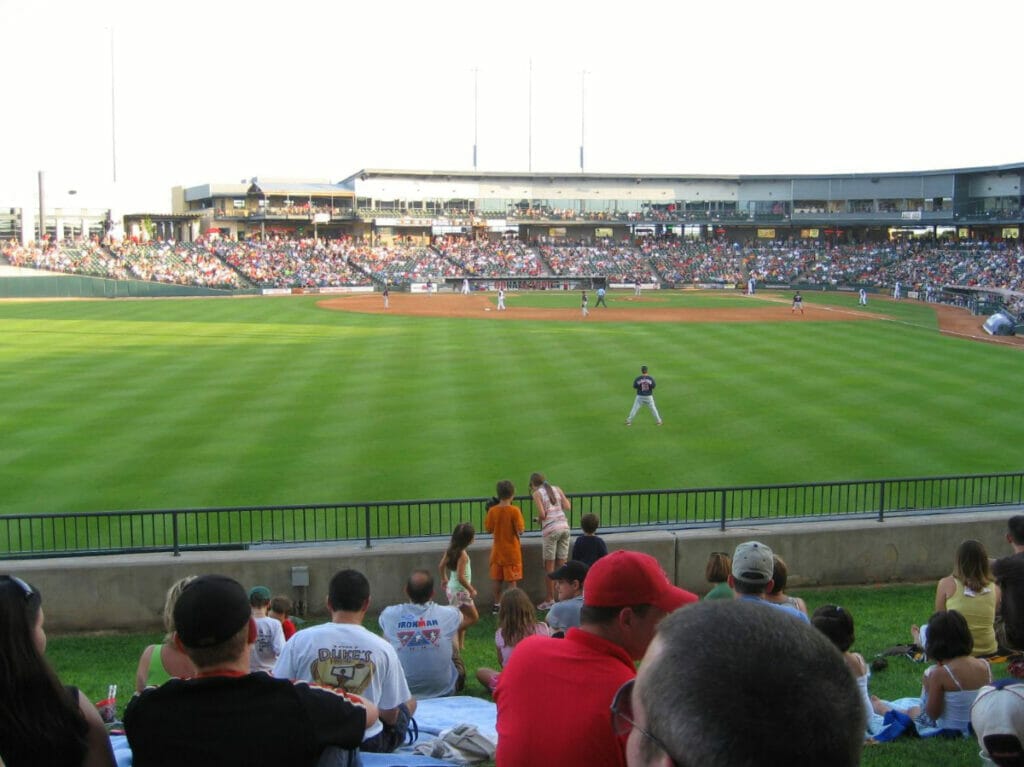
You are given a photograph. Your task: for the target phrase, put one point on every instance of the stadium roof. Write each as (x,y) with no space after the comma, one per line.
(366,173)
(296,187)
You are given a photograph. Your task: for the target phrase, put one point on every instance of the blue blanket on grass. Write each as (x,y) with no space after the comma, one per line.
(432,716)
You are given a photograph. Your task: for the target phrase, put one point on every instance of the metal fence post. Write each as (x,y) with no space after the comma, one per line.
(881,501)
(722,523)
(174,533)
(369,544)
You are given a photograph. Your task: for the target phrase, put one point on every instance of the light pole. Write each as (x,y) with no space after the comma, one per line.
(476,112)
(42,208)
(583,114)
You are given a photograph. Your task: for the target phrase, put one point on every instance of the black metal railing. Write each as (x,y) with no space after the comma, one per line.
(242,527)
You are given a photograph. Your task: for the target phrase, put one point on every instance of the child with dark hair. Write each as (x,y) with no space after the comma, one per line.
(837,624)
(505,522)
(457,576)
(281,608)
(780,577)
(948,688)
(41,721)
(589,547)
(717,571)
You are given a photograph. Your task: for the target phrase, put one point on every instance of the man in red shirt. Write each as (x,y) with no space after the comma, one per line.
(625,597)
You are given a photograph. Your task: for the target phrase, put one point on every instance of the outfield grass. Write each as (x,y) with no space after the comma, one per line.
(882,614)
(218,402)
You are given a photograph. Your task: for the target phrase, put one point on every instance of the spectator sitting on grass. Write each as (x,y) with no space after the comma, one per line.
(281,608)
(777,593)
(424,634)
(997,717)
(42,722)
(717,571)
(269,634)
(516,621)
(731,683)
(972,592)
(161,662)
(837,624)
(753,565)
(565,613)
(1009,574)
(345,654)
(212,718)
(626,596)
(950,686)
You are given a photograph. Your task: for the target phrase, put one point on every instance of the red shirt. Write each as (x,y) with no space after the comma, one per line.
(288,627)
(546,678)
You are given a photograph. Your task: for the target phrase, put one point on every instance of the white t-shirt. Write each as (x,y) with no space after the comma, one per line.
(423,636)
(348,656)
(268,645)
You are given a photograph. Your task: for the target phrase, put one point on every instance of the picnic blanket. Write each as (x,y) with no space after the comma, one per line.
(432,716)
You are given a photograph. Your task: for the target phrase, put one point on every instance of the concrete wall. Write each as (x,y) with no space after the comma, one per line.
(127,592)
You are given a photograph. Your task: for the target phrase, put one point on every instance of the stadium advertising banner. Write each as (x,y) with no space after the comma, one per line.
(766,234)
(810,234)
(556,231)
(1011,232)
(604,232)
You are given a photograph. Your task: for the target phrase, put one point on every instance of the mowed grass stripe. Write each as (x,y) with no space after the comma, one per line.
(214,402)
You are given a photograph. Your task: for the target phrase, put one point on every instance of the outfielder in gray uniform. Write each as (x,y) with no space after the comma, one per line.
(644,385)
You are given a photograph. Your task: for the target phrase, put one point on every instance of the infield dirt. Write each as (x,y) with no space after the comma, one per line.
(952,320)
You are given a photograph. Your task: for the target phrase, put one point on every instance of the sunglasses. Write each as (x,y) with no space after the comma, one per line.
(623,718)
(26,590)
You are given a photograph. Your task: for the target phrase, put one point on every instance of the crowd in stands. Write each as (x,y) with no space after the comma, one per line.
(285,263)
(86,258)
(333,692)
(281,262)
(487,258)
(177,263)
(404,264)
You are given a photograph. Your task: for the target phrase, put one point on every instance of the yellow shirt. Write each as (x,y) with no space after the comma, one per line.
(980,612)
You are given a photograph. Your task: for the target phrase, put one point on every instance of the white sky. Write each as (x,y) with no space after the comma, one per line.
(209,90)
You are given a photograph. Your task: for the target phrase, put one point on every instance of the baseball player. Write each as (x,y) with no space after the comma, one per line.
(862,296)
(644,385)
(798,303)
(600,298)
(465,286)
(897,291)
(583,304)
(501,299)
(386,295)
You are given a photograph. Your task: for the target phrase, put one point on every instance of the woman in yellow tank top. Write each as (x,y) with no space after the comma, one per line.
(971,590)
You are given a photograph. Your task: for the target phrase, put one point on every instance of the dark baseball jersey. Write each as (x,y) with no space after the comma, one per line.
(644,385)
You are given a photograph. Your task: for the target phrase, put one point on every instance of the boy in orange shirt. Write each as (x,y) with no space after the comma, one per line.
(505,522)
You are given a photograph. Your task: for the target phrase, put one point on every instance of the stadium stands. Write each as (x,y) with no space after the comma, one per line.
(309,263)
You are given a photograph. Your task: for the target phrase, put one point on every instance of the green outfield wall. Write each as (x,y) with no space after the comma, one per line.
(81,286)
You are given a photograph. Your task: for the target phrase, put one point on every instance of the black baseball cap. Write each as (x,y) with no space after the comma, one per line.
(210,610)
(573,570)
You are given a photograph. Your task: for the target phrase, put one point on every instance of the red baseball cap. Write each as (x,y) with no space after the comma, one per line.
(630,578)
